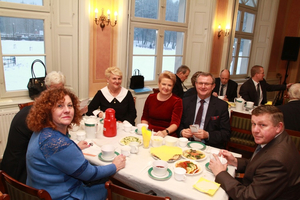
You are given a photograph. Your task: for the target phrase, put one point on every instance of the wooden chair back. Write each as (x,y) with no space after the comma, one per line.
(295,135)
(4,196)
(18,190)
(117,192)
(22,105)
(241,135)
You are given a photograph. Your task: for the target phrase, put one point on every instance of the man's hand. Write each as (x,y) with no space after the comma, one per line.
(201,134)
(216,166)
(187,133)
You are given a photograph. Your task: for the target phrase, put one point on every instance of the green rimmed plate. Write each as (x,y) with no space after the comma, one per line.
(208,169)
(196,145)
(159,178)
(107,160)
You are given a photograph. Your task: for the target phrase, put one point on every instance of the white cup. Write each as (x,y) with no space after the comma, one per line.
(127,127)
(179,174)
(170,141)
(108,151)
(125,150)
(91,127)
(80,134)
(160,167)
(74,127)
(134,147)
(139,126)
(249,104)
(182,141)
(157,141)
(221,97)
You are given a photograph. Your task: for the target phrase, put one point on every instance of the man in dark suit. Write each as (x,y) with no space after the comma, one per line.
(182,74)
(213,118)
(291,110)
(225,86)
(255,88)
(273,171)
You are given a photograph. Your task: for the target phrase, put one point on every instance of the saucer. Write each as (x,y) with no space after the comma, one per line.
(196,145)
(107,160)
(160,178)
(208,169)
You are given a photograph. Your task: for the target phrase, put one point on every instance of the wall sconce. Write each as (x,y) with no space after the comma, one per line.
(102,19)
(227,29)
(220,30)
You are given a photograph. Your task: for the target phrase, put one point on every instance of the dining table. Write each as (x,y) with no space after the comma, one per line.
(137,171)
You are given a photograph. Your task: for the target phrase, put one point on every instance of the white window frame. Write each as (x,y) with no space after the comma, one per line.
(161,25)
(31,12)
(242,35)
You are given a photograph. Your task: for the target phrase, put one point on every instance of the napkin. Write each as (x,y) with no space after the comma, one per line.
(269,103)
(165,152)
(207,186)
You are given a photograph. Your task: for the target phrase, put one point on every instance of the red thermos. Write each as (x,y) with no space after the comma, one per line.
(110,126)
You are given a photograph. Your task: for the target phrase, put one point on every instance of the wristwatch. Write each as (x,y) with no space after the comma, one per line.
(167,131)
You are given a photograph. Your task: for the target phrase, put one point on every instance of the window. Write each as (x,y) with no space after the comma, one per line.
(244,34)
(157,37)
(22,41)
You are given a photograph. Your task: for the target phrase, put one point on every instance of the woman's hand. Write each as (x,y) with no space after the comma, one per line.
(83,145)
(231,160)
(119,161)
(161,133)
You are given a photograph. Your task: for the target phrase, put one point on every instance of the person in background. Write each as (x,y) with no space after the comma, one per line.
(163,110)
(182,74)
(291,110)
(114,96)
(14,157)
(54,162)
(225,86)
(192,90)
(255,88)
(208,112)
(273,171)
(55,79)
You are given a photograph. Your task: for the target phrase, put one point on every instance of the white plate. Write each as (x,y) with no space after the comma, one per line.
(107,160)
(194,159)
(199,167)
(130,140)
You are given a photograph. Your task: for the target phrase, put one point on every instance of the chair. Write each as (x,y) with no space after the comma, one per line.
(241,135)
(155,90)
(117,192)
(295,135)
(22,105)
(4,196)
(18,190)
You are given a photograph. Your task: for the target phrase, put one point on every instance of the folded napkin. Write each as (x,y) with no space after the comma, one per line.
(269,103)
(207,186)
(166,152)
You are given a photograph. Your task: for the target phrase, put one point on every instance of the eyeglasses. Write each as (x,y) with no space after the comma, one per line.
(205,84)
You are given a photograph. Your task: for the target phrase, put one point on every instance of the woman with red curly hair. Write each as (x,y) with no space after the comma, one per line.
(54,162)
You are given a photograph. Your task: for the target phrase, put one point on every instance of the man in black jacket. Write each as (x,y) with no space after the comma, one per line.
(182,74)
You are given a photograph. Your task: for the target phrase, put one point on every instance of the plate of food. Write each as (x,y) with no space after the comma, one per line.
(191,167)
(166,153)
(194,154)
(171,160)
(126,140)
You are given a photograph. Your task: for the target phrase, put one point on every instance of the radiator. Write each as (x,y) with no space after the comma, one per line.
(6,117)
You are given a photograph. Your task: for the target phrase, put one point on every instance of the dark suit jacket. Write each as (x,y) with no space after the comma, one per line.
(272,174)
(14,157)
(177,89)
(248,90)
(216,120)
(291,114)
(231,91)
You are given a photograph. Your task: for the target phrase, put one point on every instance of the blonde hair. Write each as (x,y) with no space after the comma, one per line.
(55,78)
(169,75)
(113,70)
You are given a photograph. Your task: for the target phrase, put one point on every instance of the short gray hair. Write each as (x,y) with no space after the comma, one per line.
(55,78)
(294,91)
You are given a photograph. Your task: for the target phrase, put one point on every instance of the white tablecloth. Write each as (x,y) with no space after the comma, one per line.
(135,174)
